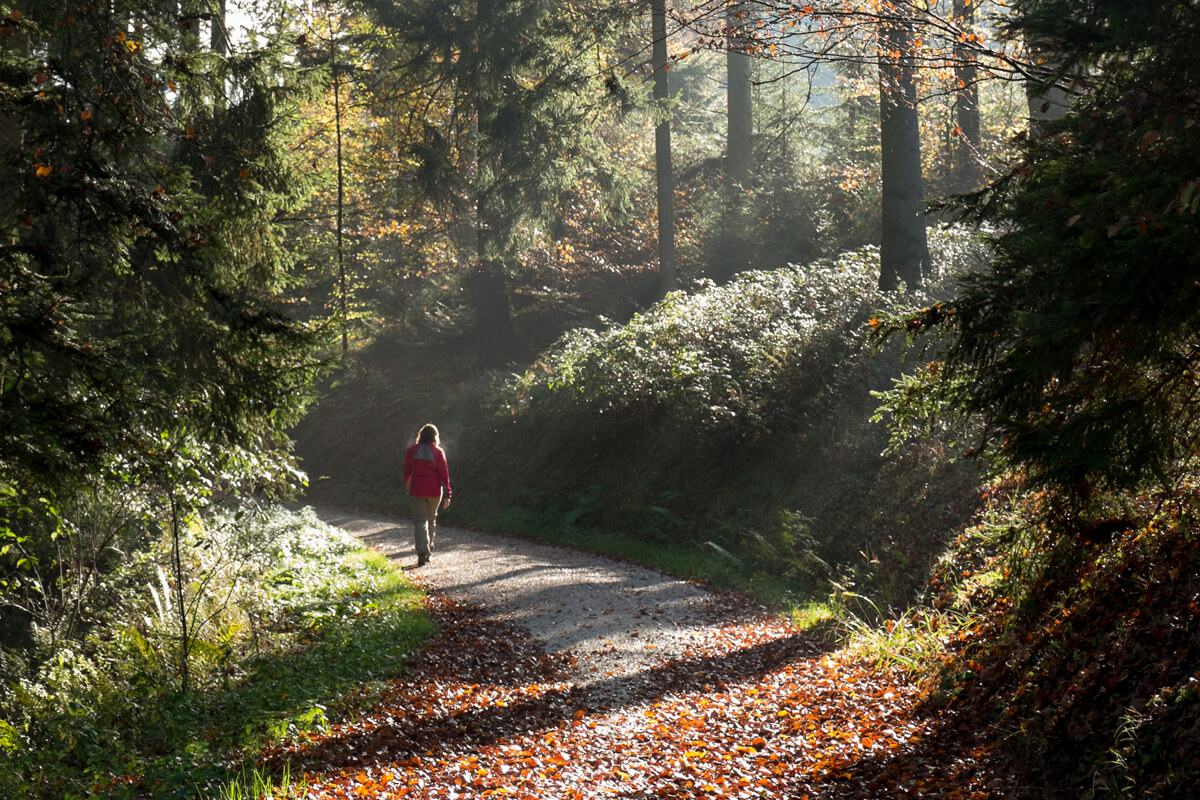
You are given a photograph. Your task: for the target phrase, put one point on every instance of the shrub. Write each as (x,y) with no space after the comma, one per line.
(288,616)
(705,418)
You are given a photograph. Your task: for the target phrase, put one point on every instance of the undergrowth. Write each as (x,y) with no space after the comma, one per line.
(301,623)
(733,424)
(1070,645)
(724,434)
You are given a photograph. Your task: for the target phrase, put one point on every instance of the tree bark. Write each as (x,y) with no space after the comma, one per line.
(218,33)
(496,341)
(12,127)
(904,249)
(739,144)
(185,630)
(967,172)
(340,235)
(663,169)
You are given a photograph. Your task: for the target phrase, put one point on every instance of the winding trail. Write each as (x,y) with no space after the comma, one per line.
(616,621)
(563,675)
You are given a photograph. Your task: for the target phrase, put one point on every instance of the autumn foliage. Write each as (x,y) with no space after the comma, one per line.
(761,711)
(1083,666)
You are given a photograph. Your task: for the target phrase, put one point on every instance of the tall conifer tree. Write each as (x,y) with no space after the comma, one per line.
(904,248)
(504,127)
(141,251)
(1080,344)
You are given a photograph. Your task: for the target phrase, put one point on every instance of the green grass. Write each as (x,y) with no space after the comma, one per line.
(252,784)
(916,641)
(804,599)
(355,643)
(816,615)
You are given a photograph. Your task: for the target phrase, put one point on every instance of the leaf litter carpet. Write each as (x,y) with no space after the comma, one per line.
(559,674)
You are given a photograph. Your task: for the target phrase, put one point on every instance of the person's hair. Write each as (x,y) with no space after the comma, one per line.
(428,434)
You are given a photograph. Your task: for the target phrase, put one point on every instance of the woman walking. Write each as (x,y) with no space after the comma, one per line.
(427,482)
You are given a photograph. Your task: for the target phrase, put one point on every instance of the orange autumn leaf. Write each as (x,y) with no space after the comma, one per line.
(485,712)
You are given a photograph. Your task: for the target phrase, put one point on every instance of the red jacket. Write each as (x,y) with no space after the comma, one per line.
(425,471)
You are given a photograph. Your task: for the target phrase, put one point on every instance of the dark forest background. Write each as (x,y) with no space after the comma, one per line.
(882,313)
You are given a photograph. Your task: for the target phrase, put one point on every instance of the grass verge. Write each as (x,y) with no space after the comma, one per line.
(802,597)
(321,625)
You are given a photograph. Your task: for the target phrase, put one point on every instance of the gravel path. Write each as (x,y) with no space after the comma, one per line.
(617,620)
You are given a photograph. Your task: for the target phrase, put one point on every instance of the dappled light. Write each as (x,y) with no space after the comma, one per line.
(820,381)
(758,710)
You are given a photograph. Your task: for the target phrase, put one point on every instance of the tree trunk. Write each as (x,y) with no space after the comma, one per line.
(185,630)
(12,128)
(218,33)
(340,164)
(663,170)
(904,249)
(968,141)
(1048,99)
(496,341)
(739,145)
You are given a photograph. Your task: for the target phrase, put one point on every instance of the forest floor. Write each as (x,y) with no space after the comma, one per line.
(563,674)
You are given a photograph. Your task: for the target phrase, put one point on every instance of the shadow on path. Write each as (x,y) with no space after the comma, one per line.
(488,709)
(484,680)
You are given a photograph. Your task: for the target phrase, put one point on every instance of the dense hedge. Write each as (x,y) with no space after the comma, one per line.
(735,418)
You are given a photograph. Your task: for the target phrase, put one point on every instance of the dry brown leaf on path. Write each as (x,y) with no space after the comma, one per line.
(540,685)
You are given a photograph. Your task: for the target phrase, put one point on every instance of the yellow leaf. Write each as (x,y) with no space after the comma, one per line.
(43,170)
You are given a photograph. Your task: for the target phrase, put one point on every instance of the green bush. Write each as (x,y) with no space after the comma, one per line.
(288,617)
(718,420)
(722,364)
